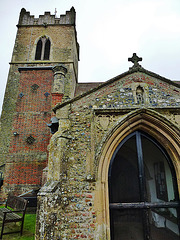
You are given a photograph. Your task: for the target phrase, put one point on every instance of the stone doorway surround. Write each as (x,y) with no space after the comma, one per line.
(149,121)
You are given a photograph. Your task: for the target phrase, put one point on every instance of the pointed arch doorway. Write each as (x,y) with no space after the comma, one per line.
(143,193)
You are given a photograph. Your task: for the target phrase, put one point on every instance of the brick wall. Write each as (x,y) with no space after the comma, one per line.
(28,149)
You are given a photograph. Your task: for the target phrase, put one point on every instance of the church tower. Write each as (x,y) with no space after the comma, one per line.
(43,72)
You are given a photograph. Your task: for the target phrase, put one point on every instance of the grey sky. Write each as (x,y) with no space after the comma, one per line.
(108,32)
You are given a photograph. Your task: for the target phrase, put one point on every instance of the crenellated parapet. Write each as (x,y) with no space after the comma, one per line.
(47,19)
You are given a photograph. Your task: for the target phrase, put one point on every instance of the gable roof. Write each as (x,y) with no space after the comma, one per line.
(84,87)
(131,70)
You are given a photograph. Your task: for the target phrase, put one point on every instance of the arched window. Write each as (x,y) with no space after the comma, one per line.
(38,50)
(47,49)
(43,49)
(143,194)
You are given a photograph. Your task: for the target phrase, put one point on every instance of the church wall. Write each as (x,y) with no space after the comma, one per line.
(28,36)
(26,159)
(8,108)
(78,207)
(123,94)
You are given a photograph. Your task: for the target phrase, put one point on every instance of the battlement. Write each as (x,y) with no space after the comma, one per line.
(47,19)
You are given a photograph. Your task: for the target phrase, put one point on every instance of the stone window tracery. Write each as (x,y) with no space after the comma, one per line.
(43,49)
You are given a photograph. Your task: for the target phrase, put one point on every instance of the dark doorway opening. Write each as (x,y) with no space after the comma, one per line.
(143,194)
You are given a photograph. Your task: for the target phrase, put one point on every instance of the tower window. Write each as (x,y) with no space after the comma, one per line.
(43,49)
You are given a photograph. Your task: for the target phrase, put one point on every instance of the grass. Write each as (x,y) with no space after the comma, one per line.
(28,229)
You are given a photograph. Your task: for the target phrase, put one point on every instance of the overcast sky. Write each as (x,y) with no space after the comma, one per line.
(108,31)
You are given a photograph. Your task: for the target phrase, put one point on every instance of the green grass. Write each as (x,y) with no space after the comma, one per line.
(28,229)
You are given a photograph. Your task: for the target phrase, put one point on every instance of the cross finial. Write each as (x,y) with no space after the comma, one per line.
(55,12)
(135,59)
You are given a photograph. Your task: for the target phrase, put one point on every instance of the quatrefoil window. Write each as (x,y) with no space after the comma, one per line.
(34,87)
(30,139)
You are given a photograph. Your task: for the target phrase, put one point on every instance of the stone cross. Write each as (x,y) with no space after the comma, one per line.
(135,59)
